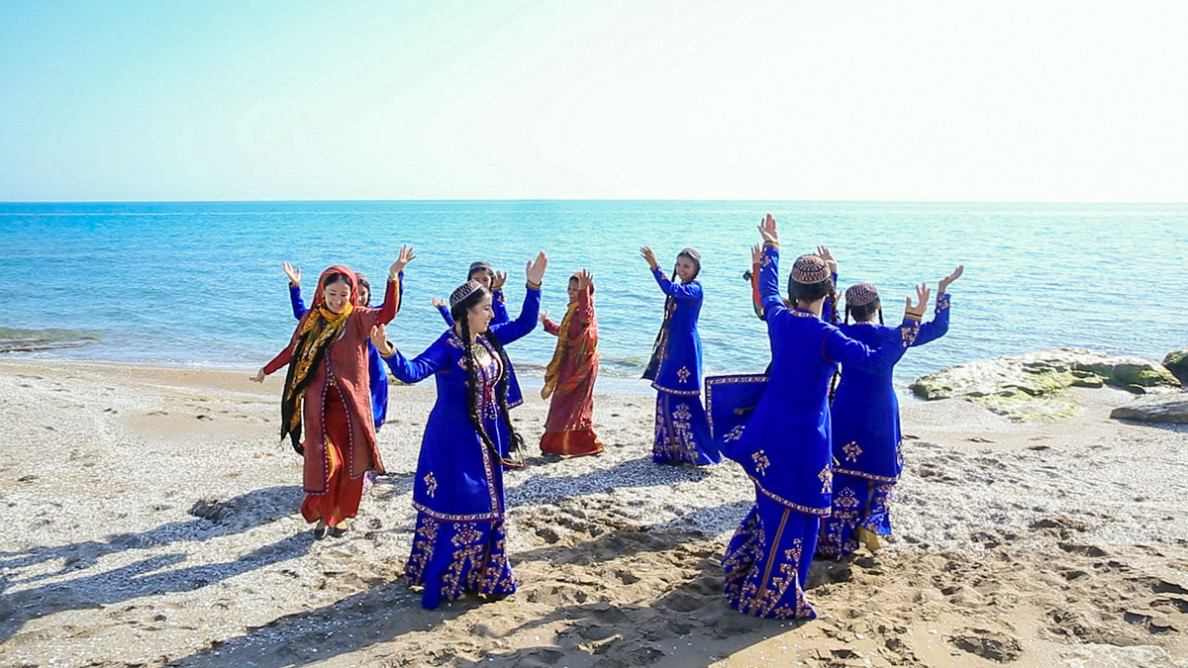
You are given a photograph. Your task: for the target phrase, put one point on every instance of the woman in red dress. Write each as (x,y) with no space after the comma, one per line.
(570,377)
(327,394)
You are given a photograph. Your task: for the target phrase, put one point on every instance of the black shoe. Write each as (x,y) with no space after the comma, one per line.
(338,533)
(319,532)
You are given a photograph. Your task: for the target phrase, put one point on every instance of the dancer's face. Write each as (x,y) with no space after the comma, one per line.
(685,269)
(483,277)
(480,315)
(337,295)
(364,295)
(573,290)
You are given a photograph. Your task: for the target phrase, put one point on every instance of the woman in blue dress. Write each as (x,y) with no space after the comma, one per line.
(682,430)
(484,274)
(867,443)
(785,446)
(458,491)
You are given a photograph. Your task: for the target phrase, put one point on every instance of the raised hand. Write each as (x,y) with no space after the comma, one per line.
(294,274)
(756,254)
(497,280)
(824,254)
(259,377)
(917,311)
(535,269)
(379,338)
(944,282)
(767,229)
(542,317)
(406,255)
(437,303)
(584,279)
(647,254)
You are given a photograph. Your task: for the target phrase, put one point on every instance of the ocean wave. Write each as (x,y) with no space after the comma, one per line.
(38,340)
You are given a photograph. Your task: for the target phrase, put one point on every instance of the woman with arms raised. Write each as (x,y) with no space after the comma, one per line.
(327,395)
(458,491)
(682,429)
(785,446)
(569,379)
(867,443)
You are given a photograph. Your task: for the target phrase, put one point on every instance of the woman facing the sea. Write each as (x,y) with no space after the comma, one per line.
(327,395)
(867,442)
(459,544)
(785,446)
(682,429)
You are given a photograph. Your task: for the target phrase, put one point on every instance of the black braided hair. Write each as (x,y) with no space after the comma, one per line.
(516,446)
(460,313)
(832,299)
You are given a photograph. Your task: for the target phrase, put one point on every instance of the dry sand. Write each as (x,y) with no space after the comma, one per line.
(150,516)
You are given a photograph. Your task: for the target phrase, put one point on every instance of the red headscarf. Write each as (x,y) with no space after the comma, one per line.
(353,280)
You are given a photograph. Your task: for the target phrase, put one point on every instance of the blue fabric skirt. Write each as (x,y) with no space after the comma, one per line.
(682,431)
(450,559)
(767,562)
(858,503)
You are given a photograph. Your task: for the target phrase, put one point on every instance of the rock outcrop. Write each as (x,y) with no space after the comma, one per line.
(1177,363)
(1164,408)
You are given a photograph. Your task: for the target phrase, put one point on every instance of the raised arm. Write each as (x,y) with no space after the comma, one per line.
(838,347)
(444,311)
(549,326)
(939,326)
(435,357)
(526,322)
(499,308)
(369,317)
(769,270)
(296,301)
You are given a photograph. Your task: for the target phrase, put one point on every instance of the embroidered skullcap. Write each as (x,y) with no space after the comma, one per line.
(861,294)
(691,254)
(809,269)
(463,291)
(485,266)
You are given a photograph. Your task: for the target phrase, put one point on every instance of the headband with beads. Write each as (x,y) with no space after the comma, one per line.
(463,291)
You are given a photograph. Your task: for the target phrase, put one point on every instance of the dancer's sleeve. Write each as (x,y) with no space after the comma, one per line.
(296,301)
(939,325)
(837,347)
(551,327)
(770,301)
(445,315)
(426,364)
(685,292)
(499,307)
(521,326)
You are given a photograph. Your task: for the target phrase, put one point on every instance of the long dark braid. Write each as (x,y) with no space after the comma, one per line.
(472,407)
(832,299)
(516,447)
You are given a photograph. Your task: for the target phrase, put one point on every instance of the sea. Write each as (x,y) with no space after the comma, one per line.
(200,284)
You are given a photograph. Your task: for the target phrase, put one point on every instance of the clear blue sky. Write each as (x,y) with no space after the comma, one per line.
(905,99)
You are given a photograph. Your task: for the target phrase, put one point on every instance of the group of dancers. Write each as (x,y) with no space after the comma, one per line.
(823,474)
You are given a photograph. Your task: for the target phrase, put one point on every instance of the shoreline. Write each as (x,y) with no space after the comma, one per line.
(154,516)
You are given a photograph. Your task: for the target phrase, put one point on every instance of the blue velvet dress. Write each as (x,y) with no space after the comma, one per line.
(682,429)
(458,491)
(785,449)
(867,443)
(515,396)
(377,375)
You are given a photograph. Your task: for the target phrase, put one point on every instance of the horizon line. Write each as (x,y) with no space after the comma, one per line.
(588,199)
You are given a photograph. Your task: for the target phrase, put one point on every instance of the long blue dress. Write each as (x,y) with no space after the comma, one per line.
(866,440)
(377,375)
(682,429)
(785,449)
(458,491)
(515,396)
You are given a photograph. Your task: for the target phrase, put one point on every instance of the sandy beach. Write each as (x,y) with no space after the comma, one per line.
(151,518)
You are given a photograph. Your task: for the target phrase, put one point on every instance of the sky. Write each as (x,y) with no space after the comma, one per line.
(1030,100)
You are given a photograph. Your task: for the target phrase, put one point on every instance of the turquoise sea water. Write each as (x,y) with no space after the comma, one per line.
(200,284)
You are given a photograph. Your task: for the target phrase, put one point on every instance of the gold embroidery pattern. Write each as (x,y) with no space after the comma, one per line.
(477,560)
(422,552)
(942,302)
(765,260)
(826,478)
(909,335)
(430,484)
(683,374)
(733,434)
(762,463)
(852,450)
(674,434)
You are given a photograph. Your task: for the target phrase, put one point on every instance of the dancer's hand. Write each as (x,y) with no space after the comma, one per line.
(545,392)
(259,377)
(584,279)
(824,254)
(406,255)
(756,254)
(542,317)
(437,303)
(944,282)
(535,269)
(917,311)
(497,280)
(379,339)
(767,229)
(294,274)
(648,255)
